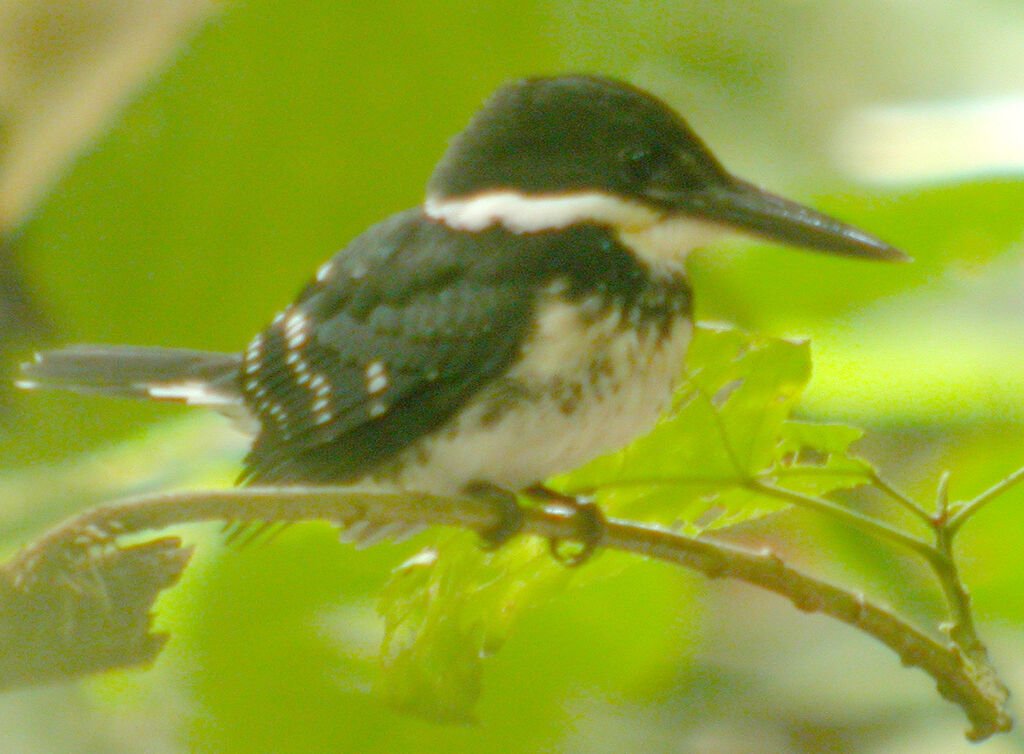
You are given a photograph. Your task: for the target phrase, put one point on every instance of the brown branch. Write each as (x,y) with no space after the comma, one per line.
(965,681)
(962,679)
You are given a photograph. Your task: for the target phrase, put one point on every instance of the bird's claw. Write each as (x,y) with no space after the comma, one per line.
(589,524)
(504,503)
(588,521)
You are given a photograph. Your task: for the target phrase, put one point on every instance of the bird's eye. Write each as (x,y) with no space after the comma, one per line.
(643,163)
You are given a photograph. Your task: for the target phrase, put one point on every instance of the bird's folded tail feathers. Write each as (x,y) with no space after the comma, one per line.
(201,378)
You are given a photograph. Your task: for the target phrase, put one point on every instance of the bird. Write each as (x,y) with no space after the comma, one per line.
(531,314)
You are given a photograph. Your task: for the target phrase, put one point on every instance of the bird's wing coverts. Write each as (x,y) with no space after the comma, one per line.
(398,332)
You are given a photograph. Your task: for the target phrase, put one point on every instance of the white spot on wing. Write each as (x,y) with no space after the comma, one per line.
(191,392)
(324,271)
(296,329)
(255,347)
(321,409)
(376,377)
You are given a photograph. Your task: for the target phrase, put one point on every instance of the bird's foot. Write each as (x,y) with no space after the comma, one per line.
(588,520)
(505,505)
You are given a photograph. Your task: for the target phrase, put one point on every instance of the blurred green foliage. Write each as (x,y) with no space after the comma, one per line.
(283,129)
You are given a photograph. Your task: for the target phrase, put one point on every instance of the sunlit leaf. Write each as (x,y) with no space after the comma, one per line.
(815,458)
(449,607)
(728,424)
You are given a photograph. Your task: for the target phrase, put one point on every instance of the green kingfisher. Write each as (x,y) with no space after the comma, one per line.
(532,314)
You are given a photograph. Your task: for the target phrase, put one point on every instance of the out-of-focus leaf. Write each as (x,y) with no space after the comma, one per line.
(194,451)
(949,352)
(445,612)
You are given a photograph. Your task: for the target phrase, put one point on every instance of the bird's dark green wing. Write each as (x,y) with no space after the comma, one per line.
(398,332)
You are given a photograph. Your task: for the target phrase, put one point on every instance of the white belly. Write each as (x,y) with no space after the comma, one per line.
(582,389)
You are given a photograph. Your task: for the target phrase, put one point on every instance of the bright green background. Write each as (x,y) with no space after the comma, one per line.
(282,129)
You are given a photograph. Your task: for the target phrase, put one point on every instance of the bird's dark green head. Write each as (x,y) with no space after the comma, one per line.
(574,133)
(545,153)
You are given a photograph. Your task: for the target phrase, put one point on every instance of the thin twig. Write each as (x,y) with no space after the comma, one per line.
(960,678)
(969,508)
(939,557)
(853,518)
(907,502)
(961,627)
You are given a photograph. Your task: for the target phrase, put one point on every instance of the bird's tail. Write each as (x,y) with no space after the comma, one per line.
(200,378)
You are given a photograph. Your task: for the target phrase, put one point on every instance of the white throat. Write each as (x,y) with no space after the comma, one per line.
(656,237)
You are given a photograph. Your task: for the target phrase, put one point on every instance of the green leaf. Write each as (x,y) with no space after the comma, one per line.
(815,458)
(729,423)
(445,612)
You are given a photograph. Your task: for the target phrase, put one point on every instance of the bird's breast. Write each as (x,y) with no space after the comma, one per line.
(589,378)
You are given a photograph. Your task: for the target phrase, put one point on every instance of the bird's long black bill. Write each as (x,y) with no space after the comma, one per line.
(747,208)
